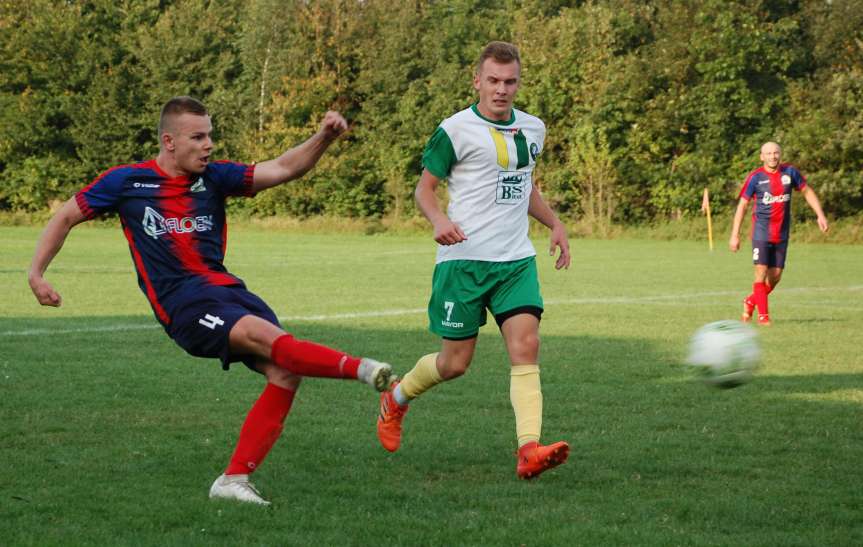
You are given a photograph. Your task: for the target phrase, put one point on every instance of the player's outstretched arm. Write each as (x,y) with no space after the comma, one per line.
(539,209)
(815,204)
(50,243)
(446,232)
(300,159)
(734,240)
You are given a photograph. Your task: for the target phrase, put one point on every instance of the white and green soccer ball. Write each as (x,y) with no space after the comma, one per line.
(724,353)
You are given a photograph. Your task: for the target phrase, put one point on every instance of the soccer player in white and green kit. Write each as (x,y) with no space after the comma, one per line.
(485,260)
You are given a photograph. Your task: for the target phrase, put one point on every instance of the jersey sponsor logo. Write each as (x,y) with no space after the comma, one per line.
(198,186)
(145,185)
(786,180)
(510,187)
(156,225)
(767,199)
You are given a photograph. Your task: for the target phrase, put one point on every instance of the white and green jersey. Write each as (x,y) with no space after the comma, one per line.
(489,166)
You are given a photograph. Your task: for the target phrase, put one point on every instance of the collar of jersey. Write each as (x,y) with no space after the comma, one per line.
(510,121)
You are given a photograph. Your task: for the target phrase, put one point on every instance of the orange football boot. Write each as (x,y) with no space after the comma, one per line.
(390,421)
(534,458)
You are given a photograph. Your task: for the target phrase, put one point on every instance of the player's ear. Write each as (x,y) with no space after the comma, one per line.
(167,141)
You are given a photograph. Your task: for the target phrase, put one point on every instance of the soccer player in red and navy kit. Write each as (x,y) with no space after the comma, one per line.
(770,187)
(172,211)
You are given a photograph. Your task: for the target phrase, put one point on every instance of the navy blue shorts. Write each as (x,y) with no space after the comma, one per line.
(769,254)
(204,318)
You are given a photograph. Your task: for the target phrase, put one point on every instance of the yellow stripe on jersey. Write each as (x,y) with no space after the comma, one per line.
(500,146)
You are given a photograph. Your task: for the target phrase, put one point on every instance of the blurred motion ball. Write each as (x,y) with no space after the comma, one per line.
(724,354)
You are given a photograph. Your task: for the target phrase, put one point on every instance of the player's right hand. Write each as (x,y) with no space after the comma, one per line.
(734,243)
(448,232)
(45,293)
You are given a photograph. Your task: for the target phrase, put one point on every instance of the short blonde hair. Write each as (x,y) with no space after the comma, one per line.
(177,106)
(502,52)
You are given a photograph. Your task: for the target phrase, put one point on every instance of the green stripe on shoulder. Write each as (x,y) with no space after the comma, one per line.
(439,154)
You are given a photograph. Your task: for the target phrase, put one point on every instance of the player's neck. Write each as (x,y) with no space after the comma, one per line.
(771,171)
(489,115)
(167,164)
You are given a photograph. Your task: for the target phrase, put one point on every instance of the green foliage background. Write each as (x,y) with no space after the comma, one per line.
(646,103)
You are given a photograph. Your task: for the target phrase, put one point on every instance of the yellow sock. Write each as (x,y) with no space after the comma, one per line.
(526,396)
(422,377)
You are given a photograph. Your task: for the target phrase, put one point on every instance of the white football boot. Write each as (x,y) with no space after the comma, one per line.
(375,373)
(236,487)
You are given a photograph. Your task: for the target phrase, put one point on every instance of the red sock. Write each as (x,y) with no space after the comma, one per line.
(759,297)
(309,359)
(751,297)
(261,429)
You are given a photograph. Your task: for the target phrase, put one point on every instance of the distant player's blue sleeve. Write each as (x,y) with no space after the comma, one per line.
(749,187)
(103,194)
(798,181)
(232,179)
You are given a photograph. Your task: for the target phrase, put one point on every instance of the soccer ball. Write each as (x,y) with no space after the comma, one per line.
(724,353)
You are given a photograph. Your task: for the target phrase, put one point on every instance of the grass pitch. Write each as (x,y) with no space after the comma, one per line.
(111,435)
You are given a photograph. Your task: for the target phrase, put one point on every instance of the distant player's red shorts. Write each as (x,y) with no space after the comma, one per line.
(203,319)
(769,254)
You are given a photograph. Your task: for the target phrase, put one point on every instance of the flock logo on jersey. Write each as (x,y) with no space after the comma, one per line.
(510,187)
(198,186)
(145,185)
(156,225)
(768,198)
(786,180)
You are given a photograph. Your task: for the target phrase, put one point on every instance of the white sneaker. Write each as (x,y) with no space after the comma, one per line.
(375,373)
(236,487)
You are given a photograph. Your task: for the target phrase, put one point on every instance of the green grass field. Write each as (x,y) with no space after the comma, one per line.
(111,435)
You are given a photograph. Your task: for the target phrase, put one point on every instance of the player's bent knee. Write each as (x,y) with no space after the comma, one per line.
(453,368)
(279,376)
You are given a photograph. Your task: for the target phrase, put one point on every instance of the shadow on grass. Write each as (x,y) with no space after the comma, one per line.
(647,440)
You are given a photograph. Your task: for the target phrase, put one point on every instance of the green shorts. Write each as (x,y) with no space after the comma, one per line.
(463,289)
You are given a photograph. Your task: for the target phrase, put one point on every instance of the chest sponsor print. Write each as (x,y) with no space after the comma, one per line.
(510,187)
(156,224)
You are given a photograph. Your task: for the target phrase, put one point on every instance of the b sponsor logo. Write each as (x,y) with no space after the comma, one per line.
(510,187)
(156,225)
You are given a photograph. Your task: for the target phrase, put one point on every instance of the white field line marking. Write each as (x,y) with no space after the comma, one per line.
(662,299)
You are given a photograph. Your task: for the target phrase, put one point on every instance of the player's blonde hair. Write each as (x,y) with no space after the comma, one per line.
(502,52)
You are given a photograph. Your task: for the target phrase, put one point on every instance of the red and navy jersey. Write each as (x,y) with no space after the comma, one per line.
(175,226)
(771,215)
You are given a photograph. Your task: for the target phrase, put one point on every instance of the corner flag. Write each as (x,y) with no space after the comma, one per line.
(705,208)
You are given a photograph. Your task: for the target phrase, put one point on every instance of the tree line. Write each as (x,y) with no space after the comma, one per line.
(646,102)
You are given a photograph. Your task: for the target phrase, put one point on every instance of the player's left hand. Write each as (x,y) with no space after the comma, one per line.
(559,239)
(333,125)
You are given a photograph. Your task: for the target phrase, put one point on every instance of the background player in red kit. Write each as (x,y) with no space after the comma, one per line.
(770,186)
(172,211)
